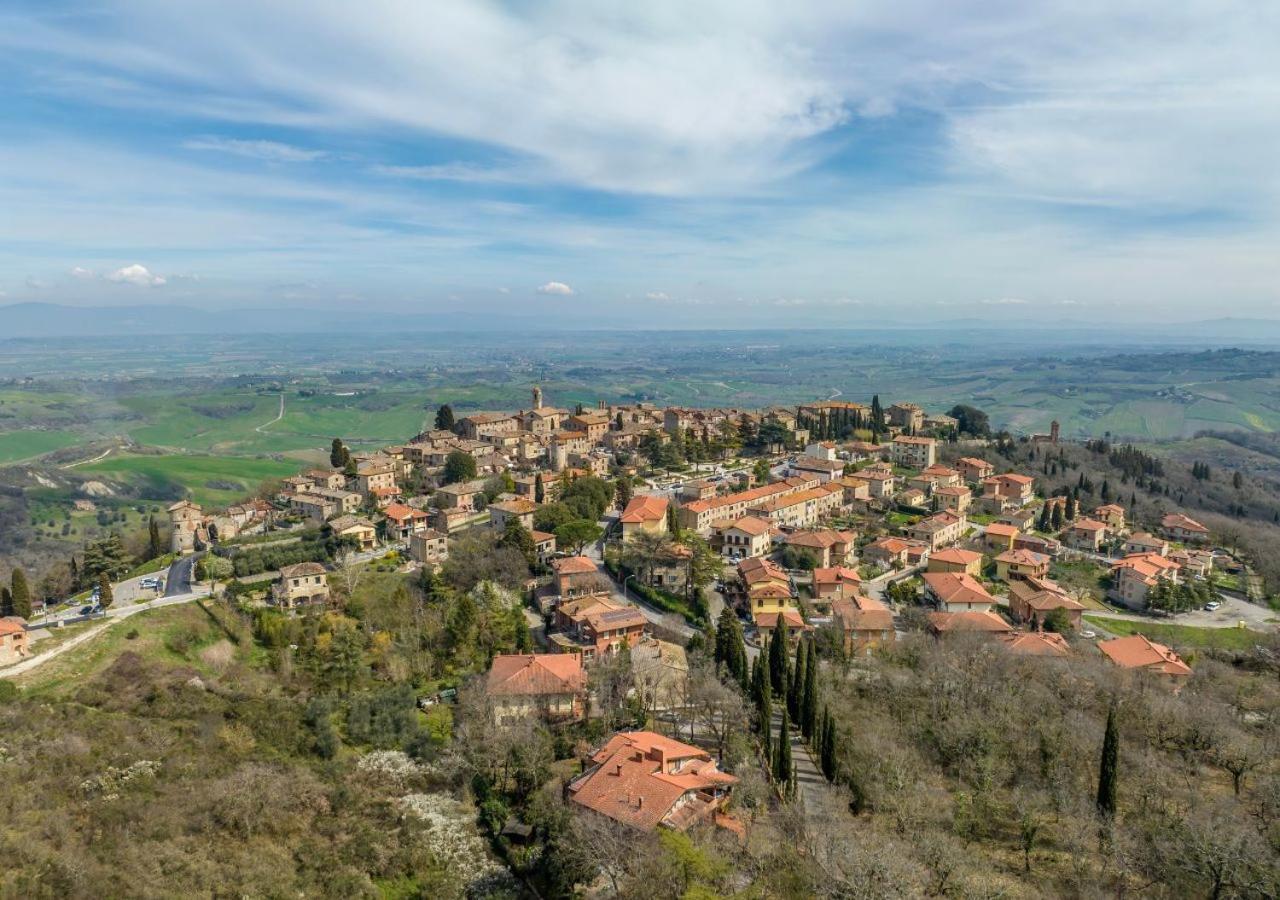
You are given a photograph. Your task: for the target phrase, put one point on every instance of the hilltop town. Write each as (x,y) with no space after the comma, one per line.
(672,602)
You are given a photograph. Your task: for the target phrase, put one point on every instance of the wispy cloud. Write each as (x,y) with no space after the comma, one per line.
(270,151)
(137,275)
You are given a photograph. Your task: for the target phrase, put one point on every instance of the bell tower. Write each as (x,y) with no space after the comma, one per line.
(537,397)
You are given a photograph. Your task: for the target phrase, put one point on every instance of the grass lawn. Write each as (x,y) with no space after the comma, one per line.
(1181,636)
(172,634)
(194,474)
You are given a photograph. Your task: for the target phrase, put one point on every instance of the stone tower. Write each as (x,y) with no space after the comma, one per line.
(1054,428)
(185,519)
(537,397)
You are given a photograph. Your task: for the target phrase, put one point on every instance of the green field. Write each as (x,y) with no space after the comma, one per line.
(156,476)
(1182,636)
(20,445)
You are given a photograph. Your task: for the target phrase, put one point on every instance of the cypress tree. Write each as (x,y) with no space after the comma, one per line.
(444,418)
(778,659)
(795,687)
(782,755)
(154,545)
(6,601)
(1107,770)
(75,573)
(20,594)
(766,721)
(828,746)
(539,490)
(337,454)
(809,699)
(105,597)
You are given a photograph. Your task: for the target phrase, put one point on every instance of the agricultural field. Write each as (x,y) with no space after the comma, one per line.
(208,480)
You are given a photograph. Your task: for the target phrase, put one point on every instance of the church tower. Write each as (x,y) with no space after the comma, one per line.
(537,397)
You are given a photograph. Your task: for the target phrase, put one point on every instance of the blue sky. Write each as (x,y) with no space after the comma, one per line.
(716,163)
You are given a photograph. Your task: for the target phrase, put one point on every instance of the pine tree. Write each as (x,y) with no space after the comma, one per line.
(782,752)
(778,659)
(105,597)
(1107,770)
(20,594)
(809,699)
(795,687)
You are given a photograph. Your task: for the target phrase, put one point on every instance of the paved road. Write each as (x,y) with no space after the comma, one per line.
(1228,615)
(178,581)
(810,784)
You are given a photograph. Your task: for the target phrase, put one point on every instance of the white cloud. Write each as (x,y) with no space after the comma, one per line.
(657,295)
(557,288)
(137,275)
(1004,301)
(271,151)
(81,272)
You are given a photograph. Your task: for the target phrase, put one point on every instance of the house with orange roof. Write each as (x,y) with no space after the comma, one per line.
(855,490)
(974,470)
(998,537)
(596,627)
(953,559)
(1031,600)
(1136,574)
(956,498)
(577,576)
(835,583)
(1179,527)
(644,513)
(865,622)
(544,546)
(699,514)
(767,624)
(520,509)
(1011,488)
(940,476)
(1013,564)
(942,624)
(429,547)
(1138,653)
(895,552)
(404,521)
(547,686)
(1112,514)
(880,484)
(913,452)
(1193,561)
(940,530)
(649,781)
(828,546)
(956,592)
(750,536)
(1145,542)
(13,640)
(1035,643)
(803,508)
(1085,534)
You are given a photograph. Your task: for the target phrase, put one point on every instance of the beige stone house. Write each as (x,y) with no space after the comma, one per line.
(13,640)
(360,530)
(429,547)
(303,584)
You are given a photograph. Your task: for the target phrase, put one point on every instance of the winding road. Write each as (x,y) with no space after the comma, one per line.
(261,429)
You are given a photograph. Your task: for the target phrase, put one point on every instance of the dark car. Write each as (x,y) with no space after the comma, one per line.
(86,610)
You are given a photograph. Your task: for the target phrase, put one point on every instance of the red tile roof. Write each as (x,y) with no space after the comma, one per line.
(536,673)
(1036,643)
(647,508)
(862,613)
(942,622)
(957,587)
(573,565)
(1136,652)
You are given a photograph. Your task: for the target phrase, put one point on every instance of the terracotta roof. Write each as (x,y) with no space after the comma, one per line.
(1013,478)
(541,537)
(755,570)
(1022,557)
(400,512)
(1136,652)
(1186,523)
(648,508)
(821,539)
(1088,525)
(1036,643)
(909,439)
(749,496)
(629,782)
(835,575)
(751,525)
(519,507)
(956,557)
(891,545)
(967,621)
(770,619)
(297,570)
(1106,508)
(999,529)
(11,625)
(536,673)
(573,565)
(974,462)
(1042,595)
(862,613)
(957,587)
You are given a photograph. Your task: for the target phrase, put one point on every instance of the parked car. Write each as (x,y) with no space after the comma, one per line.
(1211,605)
(1088,633)
(86,610)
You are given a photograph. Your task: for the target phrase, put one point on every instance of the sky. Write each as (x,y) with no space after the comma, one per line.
(707,163)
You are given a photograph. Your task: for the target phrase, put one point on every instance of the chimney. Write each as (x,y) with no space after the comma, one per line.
(617,770)
(640,802)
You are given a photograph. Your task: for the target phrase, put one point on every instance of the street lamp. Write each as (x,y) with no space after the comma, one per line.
(624,583)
